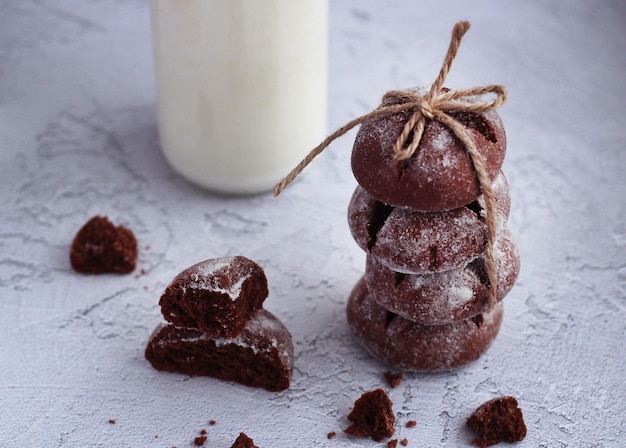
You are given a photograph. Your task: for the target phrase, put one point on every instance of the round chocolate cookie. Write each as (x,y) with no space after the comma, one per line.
(440,174)
(422,242)
(262,356)
(218,296)
(407,345)
(445,297)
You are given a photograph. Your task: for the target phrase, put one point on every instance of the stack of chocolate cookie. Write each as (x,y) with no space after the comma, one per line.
(218,326)
(423,303)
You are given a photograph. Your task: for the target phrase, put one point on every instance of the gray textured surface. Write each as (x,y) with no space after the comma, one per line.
(78,138)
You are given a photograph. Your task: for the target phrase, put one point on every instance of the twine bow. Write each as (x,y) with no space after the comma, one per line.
(437,104)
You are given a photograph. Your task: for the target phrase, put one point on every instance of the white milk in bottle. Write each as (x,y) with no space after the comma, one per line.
(241,88)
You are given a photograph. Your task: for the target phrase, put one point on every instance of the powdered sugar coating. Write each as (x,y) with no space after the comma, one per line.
(264,333)
(416,243)
(217,296)
(220,275)
(404,344)
(421,242)
(442,298)
(440,175)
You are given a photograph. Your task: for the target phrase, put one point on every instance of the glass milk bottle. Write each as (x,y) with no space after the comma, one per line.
(241,88)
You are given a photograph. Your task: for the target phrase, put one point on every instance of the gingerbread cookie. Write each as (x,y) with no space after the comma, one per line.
(440,175)
(407,345)
(261,356)
(444,297)
(415,242)
(217,296)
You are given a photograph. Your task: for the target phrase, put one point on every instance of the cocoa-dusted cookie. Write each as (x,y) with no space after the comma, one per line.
(440,175)
(217,296)
(261,356)
(372,416)
(407,345)
(444,297)
(101,247)
(497,420)
(420,242)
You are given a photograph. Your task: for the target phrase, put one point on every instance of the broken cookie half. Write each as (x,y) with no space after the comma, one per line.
(225,333)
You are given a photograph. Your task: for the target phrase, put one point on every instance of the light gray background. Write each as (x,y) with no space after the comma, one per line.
(78,138)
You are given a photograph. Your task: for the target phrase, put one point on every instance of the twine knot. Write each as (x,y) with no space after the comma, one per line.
(436,104)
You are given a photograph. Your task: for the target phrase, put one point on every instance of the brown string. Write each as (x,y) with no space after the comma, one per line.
(437,104)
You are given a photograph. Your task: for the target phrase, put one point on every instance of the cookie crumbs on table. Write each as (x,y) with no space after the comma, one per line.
(393,379)
(411,424)
(243,441)
(199,441)
(331,434)
(101,247)
(404,442)
(372,416)
(392,443)
(497,420)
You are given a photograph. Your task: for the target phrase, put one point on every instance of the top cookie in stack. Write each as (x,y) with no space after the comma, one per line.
(440,175)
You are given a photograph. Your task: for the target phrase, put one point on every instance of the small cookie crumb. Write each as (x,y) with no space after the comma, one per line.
(101,247)
(497,420)
(372,416)
(199,441)
(404,442)
(243,441)
(411,424)
(212,422)
(331,434)
(392,443)
(112,421)
(203,431)
(393,379)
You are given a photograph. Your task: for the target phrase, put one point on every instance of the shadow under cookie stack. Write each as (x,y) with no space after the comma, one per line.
(424,302)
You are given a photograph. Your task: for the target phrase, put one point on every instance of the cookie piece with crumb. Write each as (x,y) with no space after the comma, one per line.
(217,296)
